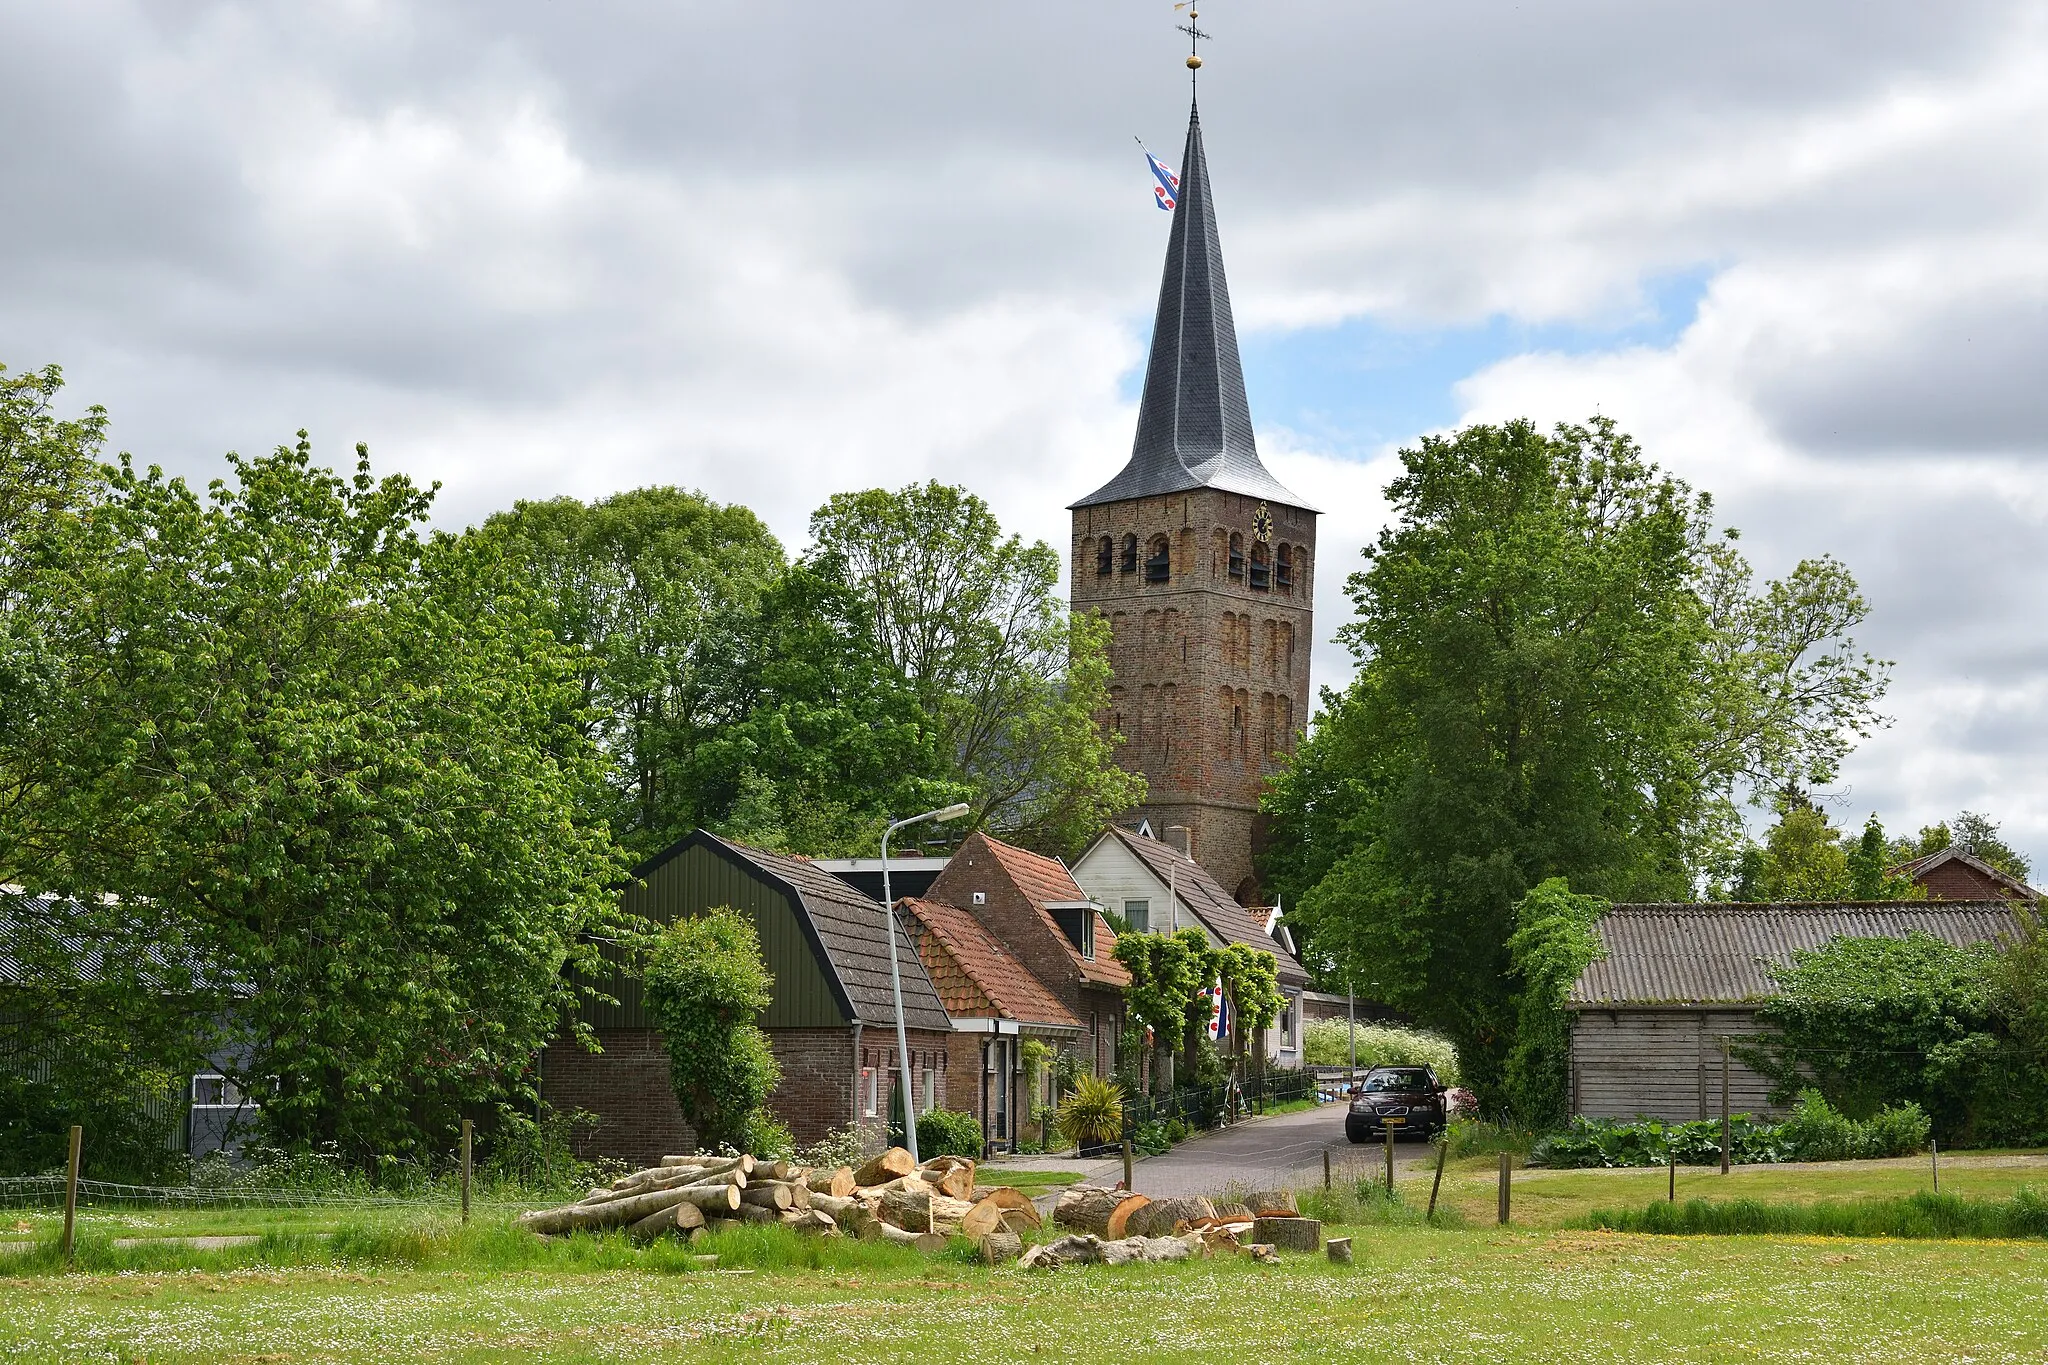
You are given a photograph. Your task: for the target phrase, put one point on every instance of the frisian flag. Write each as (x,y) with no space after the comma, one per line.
(1167,191)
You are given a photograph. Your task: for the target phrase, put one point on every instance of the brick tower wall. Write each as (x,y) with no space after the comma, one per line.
(1210,674)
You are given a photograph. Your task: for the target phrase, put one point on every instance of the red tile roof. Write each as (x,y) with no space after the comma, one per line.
(976,976)
(1044,880)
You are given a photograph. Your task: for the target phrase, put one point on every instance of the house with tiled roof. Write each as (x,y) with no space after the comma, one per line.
(1655,1017)
(1033,906)
(831,1021)
(996,1003)
(1158,888)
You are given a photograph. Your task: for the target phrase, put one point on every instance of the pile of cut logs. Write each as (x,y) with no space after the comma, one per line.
(889,1198)
(892,1198)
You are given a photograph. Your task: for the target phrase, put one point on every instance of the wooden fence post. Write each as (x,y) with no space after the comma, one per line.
(71,1189)
(1443,1149)
(1128,1177)
(466,1130)
(1506,1165)
(1390,1162)
(1671,1160)
(1326,1168)
(1726,1140)
(1934,1160)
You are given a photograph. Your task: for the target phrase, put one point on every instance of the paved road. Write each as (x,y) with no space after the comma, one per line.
(1284,1152)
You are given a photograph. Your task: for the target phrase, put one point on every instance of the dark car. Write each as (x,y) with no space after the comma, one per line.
(1407,1099)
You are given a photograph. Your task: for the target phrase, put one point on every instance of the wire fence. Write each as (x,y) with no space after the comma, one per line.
(44,1192)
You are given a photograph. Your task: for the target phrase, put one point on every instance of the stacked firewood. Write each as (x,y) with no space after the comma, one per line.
(889,1198)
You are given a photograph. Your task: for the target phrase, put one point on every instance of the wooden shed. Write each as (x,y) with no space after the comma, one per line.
(831,1021)
(1650,1015)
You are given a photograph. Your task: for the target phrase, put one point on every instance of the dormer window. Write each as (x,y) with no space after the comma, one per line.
(1158,560)
(1283,568)
(1105,556)
(1262,571)
(1237,555)
(1076,920)
(1130,555)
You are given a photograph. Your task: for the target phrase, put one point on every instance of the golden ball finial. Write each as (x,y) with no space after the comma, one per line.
(1194,62)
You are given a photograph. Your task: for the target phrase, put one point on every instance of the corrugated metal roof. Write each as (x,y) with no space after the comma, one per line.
(1208,901)
(1696,954)
(51,937)
(850,926)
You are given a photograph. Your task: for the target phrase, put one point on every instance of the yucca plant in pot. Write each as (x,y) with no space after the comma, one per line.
(1092,1114)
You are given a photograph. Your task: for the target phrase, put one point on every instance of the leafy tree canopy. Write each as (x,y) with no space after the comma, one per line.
(707,985)
(1563,672)
(342,766)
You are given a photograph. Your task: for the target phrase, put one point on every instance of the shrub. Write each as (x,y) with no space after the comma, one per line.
(1817,1132)
(848,1146)
(1552,943)
(948,1132)
(1327,1042)
(1092,1113)
(706,983)
(1814,1132)
(1474,1137)
(1151,1139)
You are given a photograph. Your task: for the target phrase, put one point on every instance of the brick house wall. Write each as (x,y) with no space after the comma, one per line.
(627,1085)
(1210,676)
(1102,1010)
(1956,880)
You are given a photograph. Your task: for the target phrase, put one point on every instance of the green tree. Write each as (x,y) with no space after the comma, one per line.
(1803,857)
(1251,991)
(707,985)
(1563,671)
(972,619)
(342,767)
(644,586)
(1553,943)
(1168,973)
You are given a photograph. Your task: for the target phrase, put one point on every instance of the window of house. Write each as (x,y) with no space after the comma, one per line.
(1130,554)
(931,1091)
(1139,915)
(1236,554)
(1287,1025)
(1159,560)
(870,1084)
(1105,556)
(213,1091)
(1093,1019)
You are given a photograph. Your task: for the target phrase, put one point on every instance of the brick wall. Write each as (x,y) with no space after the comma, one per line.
(1210,675)
(627,1086)
(1010,916)
(928,1050)
(1956,880)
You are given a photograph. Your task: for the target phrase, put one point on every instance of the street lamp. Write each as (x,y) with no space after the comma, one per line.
(952,812)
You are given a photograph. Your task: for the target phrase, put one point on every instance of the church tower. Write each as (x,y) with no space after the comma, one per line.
(1204,565)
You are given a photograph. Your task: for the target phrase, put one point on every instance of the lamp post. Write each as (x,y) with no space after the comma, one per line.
(952,812)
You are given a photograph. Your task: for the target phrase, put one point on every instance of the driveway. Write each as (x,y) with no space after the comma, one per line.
(1284,1152)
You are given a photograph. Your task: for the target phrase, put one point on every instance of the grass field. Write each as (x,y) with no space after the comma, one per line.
(1556,1199)
(1415,1295)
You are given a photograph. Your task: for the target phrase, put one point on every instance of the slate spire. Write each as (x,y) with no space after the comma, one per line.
(1194,421)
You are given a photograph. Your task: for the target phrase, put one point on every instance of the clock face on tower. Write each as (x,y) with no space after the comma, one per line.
(1262,523)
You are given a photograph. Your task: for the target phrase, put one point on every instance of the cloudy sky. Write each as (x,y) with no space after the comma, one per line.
(772,250)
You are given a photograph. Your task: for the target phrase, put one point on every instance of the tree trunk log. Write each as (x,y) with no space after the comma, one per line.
(631,1209)
(754,1213)
(675,1218)
(956,1183)
(1166,1217)
(719,1198)
(768,1196)
(838,1183)
(981,1220)
(1292,1234)
(1120,1217)
(929,1243)
(947,1214)
(888,1166)
(712,1163)
(1009,1199)
(853,1215)
(1001,1248)
(908,1207)
(1339,1249)
(814,1221)
(1087,1208)
(1271,1202)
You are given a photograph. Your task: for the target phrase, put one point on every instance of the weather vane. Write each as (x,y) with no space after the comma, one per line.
(1195,37)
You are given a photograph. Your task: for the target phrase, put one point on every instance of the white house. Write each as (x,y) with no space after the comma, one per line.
(1160,889)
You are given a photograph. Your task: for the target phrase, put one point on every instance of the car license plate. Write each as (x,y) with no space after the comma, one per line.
(1394,1120)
